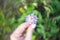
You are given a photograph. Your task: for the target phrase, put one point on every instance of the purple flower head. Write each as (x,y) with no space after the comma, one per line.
(32,19)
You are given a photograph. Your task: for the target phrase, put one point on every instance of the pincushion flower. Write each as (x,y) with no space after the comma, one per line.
(32,19)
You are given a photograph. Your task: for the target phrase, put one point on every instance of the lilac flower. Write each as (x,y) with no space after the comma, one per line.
(32,19)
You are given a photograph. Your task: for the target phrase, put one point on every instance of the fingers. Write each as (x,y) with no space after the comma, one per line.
(30,32)
(18,32)
(21,28)
(22,38)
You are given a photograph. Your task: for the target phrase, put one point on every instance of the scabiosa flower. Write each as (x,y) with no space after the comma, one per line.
(32,19)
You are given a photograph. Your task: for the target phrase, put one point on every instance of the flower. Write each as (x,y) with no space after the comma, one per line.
(21,10)
(32,19)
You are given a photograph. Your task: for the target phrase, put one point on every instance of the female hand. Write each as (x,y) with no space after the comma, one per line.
(23,32)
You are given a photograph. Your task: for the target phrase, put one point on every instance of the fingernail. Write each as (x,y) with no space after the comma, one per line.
(33,25)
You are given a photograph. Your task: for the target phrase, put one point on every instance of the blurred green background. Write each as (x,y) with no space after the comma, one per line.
(13,13)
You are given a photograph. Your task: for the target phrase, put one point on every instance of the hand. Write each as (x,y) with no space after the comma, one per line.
(23,32)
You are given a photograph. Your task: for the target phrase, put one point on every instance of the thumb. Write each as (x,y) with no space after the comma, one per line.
(30,32)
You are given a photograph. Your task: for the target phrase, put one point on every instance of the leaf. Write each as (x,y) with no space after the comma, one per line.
(33,37)
(41,29)
(8,29)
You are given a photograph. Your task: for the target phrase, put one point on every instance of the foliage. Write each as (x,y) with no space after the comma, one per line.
(13,13)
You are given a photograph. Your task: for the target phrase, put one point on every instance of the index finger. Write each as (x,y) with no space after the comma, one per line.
(21,28)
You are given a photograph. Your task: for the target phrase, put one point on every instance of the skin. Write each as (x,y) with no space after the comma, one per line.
(23,32)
